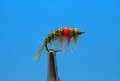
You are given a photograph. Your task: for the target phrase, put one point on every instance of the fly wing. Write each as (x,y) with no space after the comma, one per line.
(39,52)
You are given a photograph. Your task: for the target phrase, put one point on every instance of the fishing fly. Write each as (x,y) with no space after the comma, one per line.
(60,35)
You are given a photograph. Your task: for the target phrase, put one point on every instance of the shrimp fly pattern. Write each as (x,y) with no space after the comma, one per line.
(61,34)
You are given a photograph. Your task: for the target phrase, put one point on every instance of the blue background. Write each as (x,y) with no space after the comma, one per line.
(25,23)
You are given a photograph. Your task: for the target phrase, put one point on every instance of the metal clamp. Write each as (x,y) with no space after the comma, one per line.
(52,65)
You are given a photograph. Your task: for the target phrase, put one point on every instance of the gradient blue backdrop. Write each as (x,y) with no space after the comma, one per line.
(25,23)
